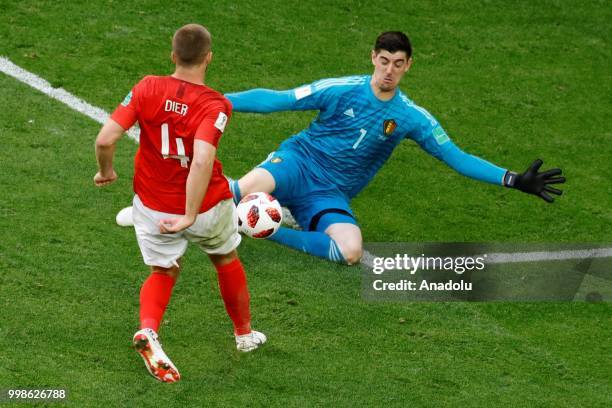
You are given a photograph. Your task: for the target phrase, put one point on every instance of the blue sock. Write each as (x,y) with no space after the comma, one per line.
(235,189)
(311,242)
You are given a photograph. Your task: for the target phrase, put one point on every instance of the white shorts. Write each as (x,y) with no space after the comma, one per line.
(215,232)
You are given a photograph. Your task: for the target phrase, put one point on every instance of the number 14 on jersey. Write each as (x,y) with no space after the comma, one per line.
(180,147)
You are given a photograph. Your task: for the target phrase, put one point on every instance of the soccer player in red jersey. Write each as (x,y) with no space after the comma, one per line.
(181,194)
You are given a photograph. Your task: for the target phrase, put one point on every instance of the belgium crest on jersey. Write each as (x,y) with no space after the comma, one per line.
(389,127)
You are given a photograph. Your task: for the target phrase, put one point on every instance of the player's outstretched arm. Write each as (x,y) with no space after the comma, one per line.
(200,172)
(110,133)
(532,181)
(262,100)
(471,166)
(434,140)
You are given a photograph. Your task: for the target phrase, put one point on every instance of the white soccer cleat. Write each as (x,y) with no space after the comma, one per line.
(124,217)
(251,341)
(157,362)
(288,219)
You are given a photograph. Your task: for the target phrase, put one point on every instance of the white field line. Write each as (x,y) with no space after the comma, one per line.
(60,94)
(368,259)
(497,258)
(517,257)
(100,116)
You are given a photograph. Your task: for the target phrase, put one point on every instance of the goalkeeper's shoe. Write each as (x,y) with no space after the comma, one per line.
(288,219)
(157,362)
(251,341)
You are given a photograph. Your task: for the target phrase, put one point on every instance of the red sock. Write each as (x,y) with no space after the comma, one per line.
(154,297)
(235,293)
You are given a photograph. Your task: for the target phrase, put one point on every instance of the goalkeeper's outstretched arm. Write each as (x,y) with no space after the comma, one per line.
(472,166)
(531,181)
(262,100)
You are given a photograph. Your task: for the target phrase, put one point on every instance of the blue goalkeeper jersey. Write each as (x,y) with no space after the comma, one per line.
(355,132)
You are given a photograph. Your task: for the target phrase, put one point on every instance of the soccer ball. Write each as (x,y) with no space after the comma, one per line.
(259,215)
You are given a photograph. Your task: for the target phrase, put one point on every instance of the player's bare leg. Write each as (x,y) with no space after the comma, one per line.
(154,297)
(349,239)
(235,294)
(257,180)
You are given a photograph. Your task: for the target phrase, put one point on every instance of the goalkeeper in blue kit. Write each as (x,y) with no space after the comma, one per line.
(361,120)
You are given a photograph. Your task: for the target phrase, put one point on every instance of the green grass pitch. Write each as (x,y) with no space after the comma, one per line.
(510,81)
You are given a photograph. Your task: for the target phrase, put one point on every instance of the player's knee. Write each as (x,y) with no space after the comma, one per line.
(220,260)
(352,253)
(173,271)
(349,241)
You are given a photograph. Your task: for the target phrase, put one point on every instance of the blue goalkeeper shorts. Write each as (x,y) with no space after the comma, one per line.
(315,203)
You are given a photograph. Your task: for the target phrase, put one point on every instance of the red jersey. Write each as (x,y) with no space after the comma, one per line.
(171,114)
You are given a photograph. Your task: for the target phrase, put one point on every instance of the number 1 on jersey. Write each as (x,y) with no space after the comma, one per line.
(363,133)
(165,147)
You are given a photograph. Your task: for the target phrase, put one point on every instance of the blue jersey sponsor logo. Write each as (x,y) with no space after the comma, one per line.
(440,135)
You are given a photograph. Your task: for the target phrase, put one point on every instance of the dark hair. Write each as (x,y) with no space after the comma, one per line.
(190,44)
(393,41)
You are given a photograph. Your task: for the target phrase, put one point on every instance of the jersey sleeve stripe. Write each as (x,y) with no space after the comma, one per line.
(326,83)
(348,78)
(425,113)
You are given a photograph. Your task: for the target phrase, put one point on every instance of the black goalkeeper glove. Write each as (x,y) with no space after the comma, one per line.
(535,183)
